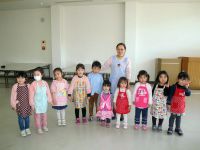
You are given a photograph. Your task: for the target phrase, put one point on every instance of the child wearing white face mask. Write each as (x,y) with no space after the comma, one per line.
(39,97)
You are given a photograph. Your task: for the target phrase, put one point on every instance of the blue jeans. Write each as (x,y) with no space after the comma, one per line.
(23,122)
(144,112)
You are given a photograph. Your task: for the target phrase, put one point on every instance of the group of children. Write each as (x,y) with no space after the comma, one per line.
(162,98)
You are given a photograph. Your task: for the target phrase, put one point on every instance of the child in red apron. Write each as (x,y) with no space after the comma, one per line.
(176,102)
(122,101)
(159,100)
(20,103)
(142,99)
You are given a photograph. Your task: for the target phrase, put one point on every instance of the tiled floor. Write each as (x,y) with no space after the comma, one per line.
(93,136)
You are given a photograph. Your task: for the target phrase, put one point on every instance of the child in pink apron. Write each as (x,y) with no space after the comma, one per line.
(105,105)
(20,103)
(176,102)
(59,88)
(142,99)
(122,101)
(159,101)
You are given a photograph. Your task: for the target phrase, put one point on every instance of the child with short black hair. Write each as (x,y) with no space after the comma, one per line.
(176,102)
(96,81)
(59,88)
(105,105)
(122,101)
(20,103)
(80,88)
(142,99)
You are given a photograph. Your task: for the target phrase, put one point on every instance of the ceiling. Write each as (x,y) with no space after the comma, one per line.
(29,4)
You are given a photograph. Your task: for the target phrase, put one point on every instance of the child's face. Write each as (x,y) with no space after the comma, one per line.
(21,80)
(80,72)
(163,79)
(143,79)
(37,75)
(121,51)
(58,75)
(106,88)
(183,82)
(96,69)
(123,84)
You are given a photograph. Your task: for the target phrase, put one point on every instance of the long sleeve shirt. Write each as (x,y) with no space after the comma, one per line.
(173,89)
(128,93)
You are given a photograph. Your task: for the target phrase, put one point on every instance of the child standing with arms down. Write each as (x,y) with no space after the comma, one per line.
(122,101)
(176,102)
(142,99)
(20,103)
(159,106)
(96,81)
(80,88)
(105,105)
(59,88)
(39,97)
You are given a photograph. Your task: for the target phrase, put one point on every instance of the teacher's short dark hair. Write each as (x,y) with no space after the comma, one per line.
(121,44)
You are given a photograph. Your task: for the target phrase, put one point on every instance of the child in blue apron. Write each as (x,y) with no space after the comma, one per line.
(39,97)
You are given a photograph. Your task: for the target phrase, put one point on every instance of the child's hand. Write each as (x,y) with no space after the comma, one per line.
(149,105)
(168,107)
(32,108)
(167,85)
(70,98)
(14,108)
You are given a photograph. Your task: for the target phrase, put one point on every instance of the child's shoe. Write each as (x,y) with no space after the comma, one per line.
(154,128)
(39,131)
(125,125)
(45,129)
(137,126)
(84,120)
(107,125)
(78,121)
(179,132)
(117,125)
(90,118)
(144,127)
(103,124)
(59,123)
(159,128)
(63,122)
(28,132)
(170,131)
(23,133)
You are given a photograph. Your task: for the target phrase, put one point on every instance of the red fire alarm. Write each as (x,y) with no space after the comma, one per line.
(43,45)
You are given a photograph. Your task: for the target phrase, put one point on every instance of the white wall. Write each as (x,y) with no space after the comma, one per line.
(166,30)
(21,32)
(91,32)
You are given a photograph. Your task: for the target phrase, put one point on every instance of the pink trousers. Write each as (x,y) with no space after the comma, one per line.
(40,120)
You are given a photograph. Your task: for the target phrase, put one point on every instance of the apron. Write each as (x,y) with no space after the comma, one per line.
(40,99)
(118,69)
(142,97)
(122,105)
(159,107)
(178,101)
(23,108)
(105,104)
(80,94)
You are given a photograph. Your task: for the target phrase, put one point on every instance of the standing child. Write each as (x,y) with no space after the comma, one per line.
(159,106)
(59,88)
(105,105)
(96,81)
(20,103)
(80,88)
(142,99)
(176,102)
(122,101)
(39,97)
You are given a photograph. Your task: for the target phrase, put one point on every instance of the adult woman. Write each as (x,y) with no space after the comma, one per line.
(120,66)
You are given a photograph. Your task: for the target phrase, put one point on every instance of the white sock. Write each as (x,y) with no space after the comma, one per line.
(125,118)
(63,114)
(59,115)
(118,118)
